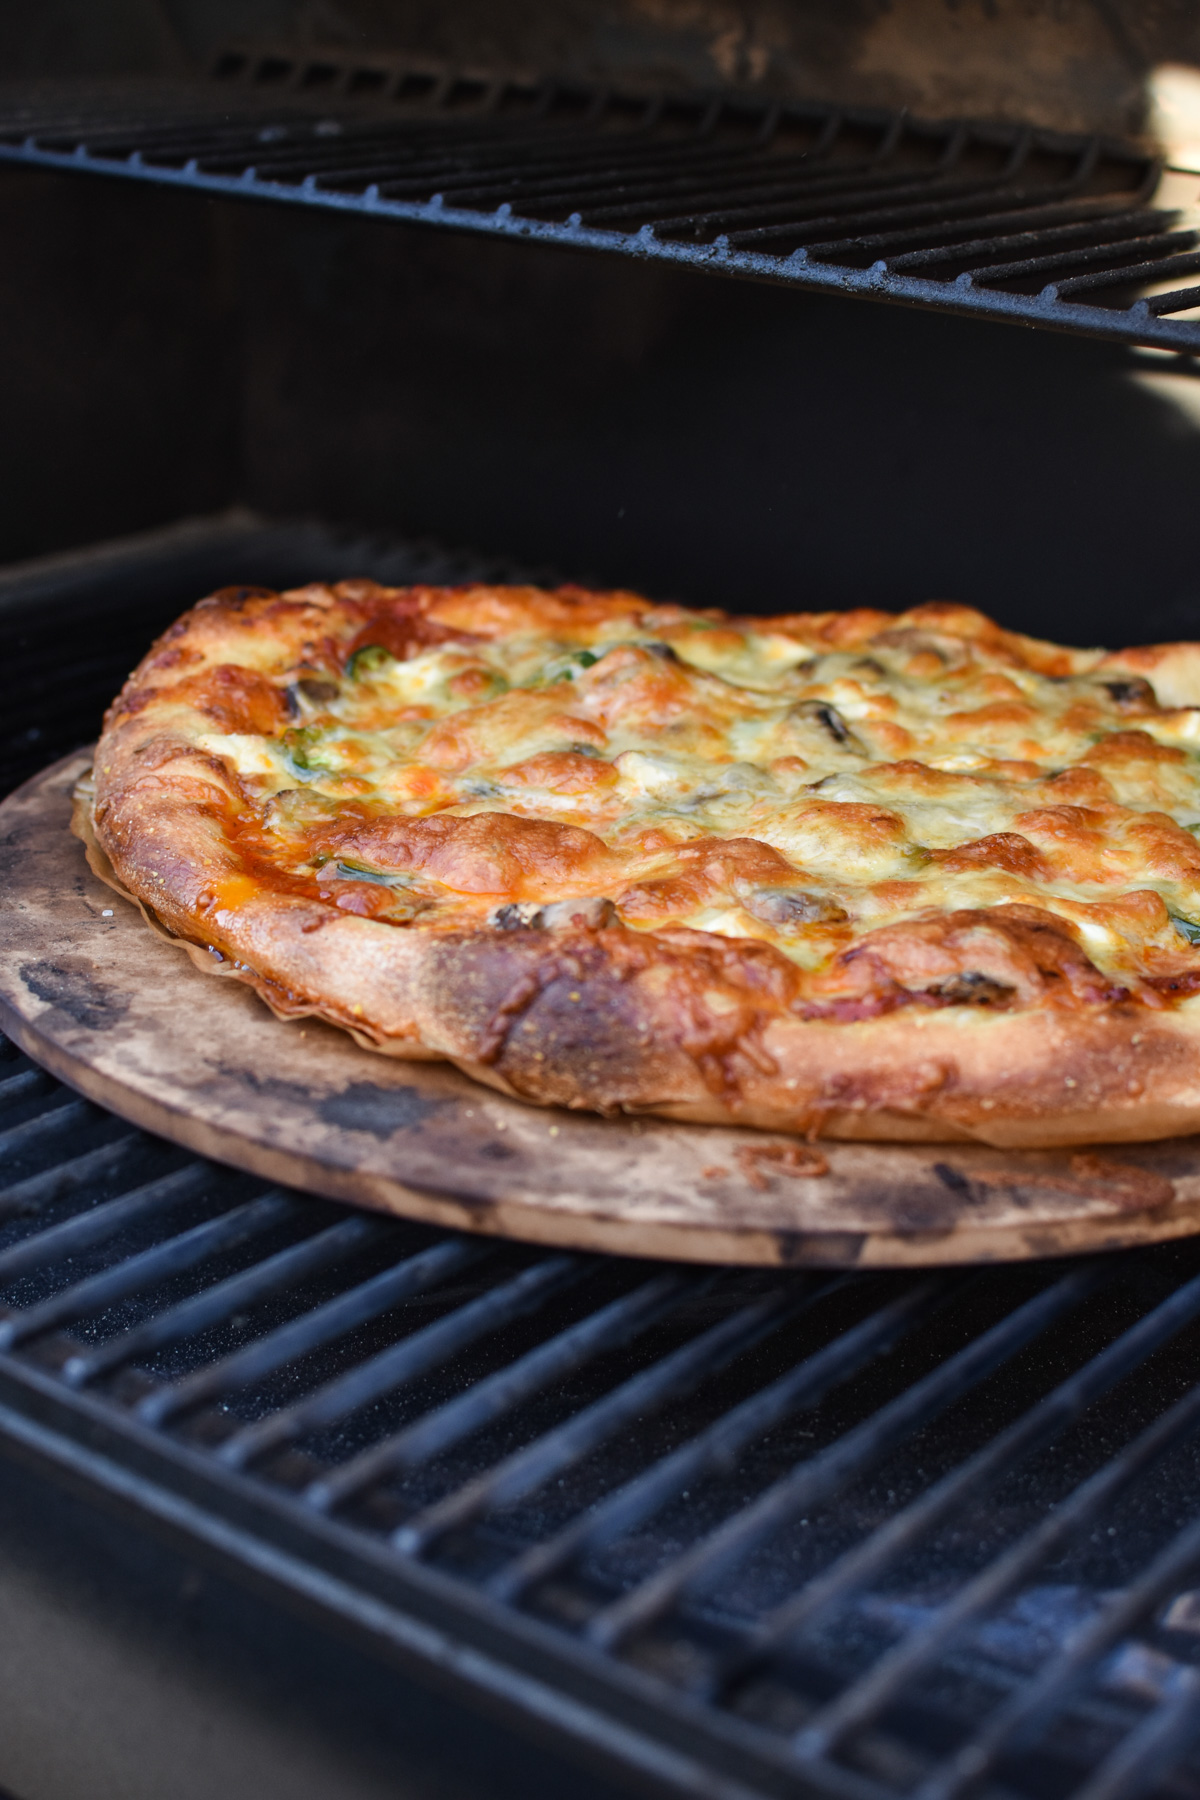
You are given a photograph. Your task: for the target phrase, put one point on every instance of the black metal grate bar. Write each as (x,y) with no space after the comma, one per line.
(795,194)
(303,1335)
(16,1087)
(820,1476)
(64,1116)
(538,1462)
(179,1253)
(1026,1712)
(73,1235)
(858,225)
(862,1702)
(867,198)
(716,1448)
(1161,1741)
(554,1360)
(568,1480)
(1091,226)
(51,1184)
(402,1362)
(1050,1416)
(216,1303)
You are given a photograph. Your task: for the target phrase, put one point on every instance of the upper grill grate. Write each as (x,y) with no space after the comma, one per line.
(869,1536)
(1080,234)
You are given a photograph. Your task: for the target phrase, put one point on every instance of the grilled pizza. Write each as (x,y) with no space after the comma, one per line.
(860,874)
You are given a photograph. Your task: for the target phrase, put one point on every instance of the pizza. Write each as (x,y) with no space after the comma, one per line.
(857,875)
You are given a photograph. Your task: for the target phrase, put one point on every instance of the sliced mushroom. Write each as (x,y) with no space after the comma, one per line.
(793,906)
(314,689)
(518,915)
(971,988)
(591,912)
(1132,694)
(831,721)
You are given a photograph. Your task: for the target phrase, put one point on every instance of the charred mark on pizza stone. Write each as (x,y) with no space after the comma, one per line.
(1129,1187)
(360,1106)
(71,987)
(272,1087)
(495,1151)
(835,1249)
(925,1211)
(366,1106)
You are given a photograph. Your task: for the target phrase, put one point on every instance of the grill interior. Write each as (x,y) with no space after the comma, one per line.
(1078,233)
(802,1532)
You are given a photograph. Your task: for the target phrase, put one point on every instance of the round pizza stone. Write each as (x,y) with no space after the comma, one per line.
(103,1002)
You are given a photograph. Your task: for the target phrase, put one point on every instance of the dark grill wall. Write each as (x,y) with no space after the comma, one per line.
(118,369)
(1072,64)
(726,444)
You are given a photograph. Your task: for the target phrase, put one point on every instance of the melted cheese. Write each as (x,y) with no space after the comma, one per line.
(802,781)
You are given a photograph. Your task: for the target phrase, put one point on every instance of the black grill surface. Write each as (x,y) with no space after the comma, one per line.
(1075,233)
(745,1532)
(811,1533)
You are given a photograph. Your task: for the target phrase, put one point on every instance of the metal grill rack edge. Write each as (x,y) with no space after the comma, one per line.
(1073,233)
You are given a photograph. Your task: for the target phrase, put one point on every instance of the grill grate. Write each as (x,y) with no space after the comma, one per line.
(747,1532)
(865,1536)
(1080,234)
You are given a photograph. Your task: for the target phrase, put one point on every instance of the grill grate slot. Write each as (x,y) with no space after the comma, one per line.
(802,195)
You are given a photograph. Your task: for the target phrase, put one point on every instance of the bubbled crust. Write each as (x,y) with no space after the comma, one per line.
(880,1040)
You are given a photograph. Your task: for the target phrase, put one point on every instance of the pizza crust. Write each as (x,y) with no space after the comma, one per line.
(578,1034)
(594,1014)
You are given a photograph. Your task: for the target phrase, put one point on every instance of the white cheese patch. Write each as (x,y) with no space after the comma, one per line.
(833,757)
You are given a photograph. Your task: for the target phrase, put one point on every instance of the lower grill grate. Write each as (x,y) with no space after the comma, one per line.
(868,1536)
(1076,233)
(862,1535)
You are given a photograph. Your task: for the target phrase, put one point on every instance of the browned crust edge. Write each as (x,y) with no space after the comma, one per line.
(593,1020)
